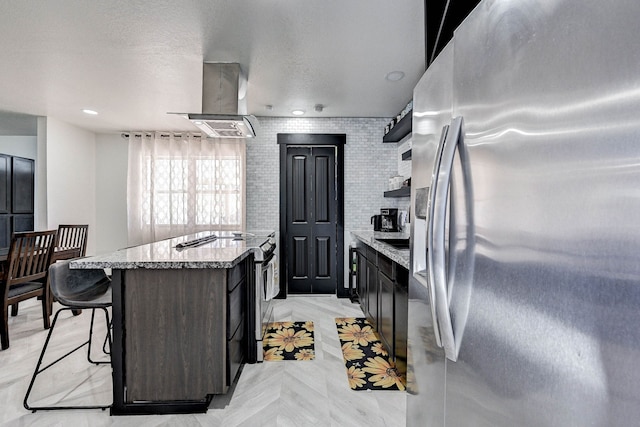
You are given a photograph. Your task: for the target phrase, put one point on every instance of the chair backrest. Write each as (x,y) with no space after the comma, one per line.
(29,256)
(73,236)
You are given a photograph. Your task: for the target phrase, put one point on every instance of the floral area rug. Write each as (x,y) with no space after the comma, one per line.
(289,341)
(366,358)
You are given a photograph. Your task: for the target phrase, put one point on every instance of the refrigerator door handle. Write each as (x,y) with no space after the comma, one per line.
(437,271)
(429,243)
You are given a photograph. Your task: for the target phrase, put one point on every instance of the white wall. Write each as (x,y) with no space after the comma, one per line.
(71,177)
(21,146)
(41,176)
(111,189)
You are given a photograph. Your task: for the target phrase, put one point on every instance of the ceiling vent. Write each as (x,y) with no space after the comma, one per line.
(224,103)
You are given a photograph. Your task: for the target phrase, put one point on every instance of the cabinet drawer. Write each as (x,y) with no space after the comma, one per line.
(235,356)
(371,254)
(236,274)
(236,308)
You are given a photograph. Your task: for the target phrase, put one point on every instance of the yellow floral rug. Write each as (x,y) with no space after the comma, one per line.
(289,341)
(366,358)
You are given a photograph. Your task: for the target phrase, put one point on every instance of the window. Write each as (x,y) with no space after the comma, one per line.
(180,185)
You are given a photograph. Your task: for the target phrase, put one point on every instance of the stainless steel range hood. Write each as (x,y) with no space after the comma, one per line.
(224,103)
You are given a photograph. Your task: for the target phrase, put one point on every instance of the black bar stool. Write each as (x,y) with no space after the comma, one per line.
(76,290)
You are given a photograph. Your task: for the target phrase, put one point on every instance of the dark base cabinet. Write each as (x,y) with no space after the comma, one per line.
(386,313)
(372,292)
(178,337)
(361,280)
(382,287)
(401,317)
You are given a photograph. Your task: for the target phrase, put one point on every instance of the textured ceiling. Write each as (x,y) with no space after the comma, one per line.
(135,61)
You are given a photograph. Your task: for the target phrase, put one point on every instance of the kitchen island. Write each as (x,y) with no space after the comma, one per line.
(179,320)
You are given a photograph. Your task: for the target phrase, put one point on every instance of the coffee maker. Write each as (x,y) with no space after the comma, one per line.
(389,219)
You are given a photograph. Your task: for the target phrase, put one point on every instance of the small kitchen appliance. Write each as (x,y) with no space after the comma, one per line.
(389,219)
(376,220)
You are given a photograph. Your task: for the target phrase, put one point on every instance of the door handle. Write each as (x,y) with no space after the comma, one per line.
(430,224)
(437,270)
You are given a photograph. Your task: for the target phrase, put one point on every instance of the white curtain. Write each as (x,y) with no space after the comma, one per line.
(181,183)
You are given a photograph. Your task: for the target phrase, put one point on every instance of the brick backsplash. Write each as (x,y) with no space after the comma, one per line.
(368,164)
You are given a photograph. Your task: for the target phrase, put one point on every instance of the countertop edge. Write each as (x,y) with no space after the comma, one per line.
(400,256)
(158,255)
(158,265)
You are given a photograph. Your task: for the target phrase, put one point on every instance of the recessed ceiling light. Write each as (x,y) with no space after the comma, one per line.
(297,112)
(394,76)
(87,111)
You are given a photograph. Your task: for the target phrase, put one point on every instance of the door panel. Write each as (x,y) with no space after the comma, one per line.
(299,191)
(323,255)
(300,251)
(311,219)
(322,189)
(23,185)
(5,183)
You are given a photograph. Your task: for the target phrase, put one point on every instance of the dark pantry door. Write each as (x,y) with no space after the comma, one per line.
(311,220)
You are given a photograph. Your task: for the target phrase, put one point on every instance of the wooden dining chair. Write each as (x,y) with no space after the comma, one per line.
(25,275)
(72,236)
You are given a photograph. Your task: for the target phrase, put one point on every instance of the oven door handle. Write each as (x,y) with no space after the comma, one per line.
(267,260)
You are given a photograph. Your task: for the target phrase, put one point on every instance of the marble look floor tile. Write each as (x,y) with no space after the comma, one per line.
(278,394)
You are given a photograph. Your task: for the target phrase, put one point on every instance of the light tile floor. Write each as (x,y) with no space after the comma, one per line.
(292,393)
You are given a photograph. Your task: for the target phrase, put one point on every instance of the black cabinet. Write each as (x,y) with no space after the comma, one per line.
(5,184)
(386,314)
(382,286)
(372,291)
(236,314)
(361,280)
(17,180)
(22,182)
(401,317)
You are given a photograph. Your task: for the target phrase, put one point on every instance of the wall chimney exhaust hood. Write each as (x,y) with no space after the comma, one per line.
(224,103)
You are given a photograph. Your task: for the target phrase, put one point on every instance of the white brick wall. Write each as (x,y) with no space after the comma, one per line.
(368,164)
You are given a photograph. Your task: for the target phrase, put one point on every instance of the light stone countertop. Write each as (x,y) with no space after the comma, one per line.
(219,253)
(369,238)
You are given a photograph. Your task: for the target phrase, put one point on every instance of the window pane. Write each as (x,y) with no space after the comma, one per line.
(205,209)
(205,174)
(161,211)
(199,190)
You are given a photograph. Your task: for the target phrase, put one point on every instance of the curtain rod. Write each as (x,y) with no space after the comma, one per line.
(126,135)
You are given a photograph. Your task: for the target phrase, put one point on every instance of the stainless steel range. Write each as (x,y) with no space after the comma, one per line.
(260,312)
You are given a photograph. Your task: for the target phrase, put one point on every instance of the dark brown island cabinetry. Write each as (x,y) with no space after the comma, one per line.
(179,336)
(382,291)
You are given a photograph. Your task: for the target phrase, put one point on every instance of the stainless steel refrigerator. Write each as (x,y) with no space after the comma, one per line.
(524,303)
